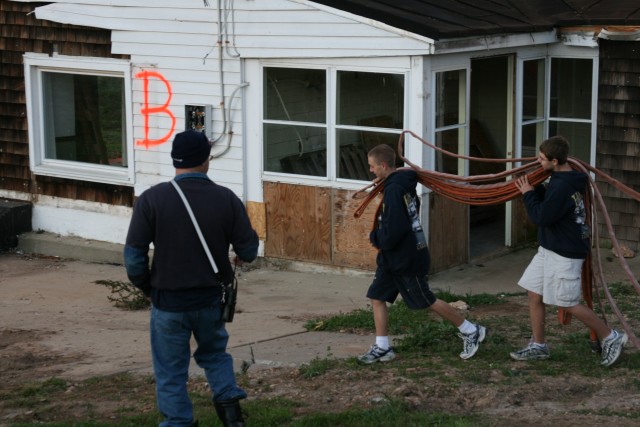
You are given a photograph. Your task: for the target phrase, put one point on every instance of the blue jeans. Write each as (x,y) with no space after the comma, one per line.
(171,352)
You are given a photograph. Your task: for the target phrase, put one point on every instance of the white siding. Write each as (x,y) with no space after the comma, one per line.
(180,43)
(263,29)
(178,39)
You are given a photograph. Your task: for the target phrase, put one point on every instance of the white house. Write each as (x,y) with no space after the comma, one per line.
(293,93)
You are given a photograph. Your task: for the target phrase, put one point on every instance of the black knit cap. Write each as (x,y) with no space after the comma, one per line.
(190,148)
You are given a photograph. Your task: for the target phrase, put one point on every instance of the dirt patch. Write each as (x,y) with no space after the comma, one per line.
(24,359)
(74,338)
(549,401)
(570,400)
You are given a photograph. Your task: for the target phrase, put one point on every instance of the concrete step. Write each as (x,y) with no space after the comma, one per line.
(70,247)
(15,218)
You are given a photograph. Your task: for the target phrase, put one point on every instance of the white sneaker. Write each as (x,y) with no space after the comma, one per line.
(376,354)
(612,348)
(471,342)
(531,352)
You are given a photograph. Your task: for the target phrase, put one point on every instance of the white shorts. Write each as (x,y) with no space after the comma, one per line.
(556,278)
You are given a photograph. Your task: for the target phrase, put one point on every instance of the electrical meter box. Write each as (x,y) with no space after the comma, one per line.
(198,117)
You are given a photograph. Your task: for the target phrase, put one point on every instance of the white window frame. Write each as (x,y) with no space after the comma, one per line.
(576,53)
(35,65)
(331,180)
(557,51)
(520,121)
(446,63)
(463,143)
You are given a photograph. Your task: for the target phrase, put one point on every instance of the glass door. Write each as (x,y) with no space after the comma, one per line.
(451,120)
(448,220)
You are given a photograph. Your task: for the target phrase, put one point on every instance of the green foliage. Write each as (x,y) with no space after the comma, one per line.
(622,289)
(430,346)
(357,319)
(317,366)
(429,335)
(387,413)
(626,298)
(428,350)
(634,384)
(400,319)
(125,295)
(48,400)
(275,412)
(38,391)
(139,421)
(34,394)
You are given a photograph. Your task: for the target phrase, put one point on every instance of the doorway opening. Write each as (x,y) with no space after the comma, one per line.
(491,136)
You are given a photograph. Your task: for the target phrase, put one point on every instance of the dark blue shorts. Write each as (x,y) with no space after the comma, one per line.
(414,289)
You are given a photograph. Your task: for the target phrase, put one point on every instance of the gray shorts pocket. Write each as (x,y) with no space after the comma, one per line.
(568,290)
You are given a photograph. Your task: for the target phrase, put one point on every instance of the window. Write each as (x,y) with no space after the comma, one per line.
(570,103)
(533,100)
(322,122)
(558,99)
(451,120)
(295,125)
(78,109)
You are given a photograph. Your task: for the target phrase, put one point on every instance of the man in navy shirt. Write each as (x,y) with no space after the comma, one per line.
(184,291)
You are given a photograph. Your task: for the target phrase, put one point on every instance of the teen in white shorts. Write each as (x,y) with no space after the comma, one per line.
(556,278)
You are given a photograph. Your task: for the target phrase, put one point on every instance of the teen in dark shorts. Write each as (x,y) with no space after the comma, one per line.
(403,260)
(414,290)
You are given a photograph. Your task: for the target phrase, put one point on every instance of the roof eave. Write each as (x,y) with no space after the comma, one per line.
(367,21)
(495,41)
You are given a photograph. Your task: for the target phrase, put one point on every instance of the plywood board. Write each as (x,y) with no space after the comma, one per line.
(258,215)
(522,230)
(448,232)
(298,222)
(351,246)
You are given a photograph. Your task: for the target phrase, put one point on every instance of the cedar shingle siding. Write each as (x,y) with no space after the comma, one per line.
(618,143)
(20,33)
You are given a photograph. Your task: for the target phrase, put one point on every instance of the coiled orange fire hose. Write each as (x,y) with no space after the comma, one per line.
(493,189)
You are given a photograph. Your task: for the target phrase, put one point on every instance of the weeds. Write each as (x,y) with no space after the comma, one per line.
(625,297)
(357,319)
(473,300)
(37,394)
(431,345)
(428,368)
(401,318)
(318,366)
(127,296)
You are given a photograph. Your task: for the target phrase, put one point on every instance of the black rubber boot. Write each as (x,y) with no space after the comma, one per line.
(229,413)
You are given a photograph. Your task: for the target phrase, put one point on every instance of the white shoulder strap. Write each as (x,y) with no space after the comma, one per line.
(195,224)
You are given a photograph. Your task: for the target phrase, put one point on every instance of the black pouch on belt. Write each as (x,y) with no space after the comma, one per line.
(229,296)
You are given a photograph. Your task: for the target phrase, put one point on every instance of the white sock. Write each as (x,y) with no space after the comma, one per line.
(382,342)
(467,327)
(612,335)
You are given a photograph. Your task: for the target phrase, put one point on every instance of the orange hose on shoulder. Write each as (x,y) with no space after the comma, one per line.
(493,189)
